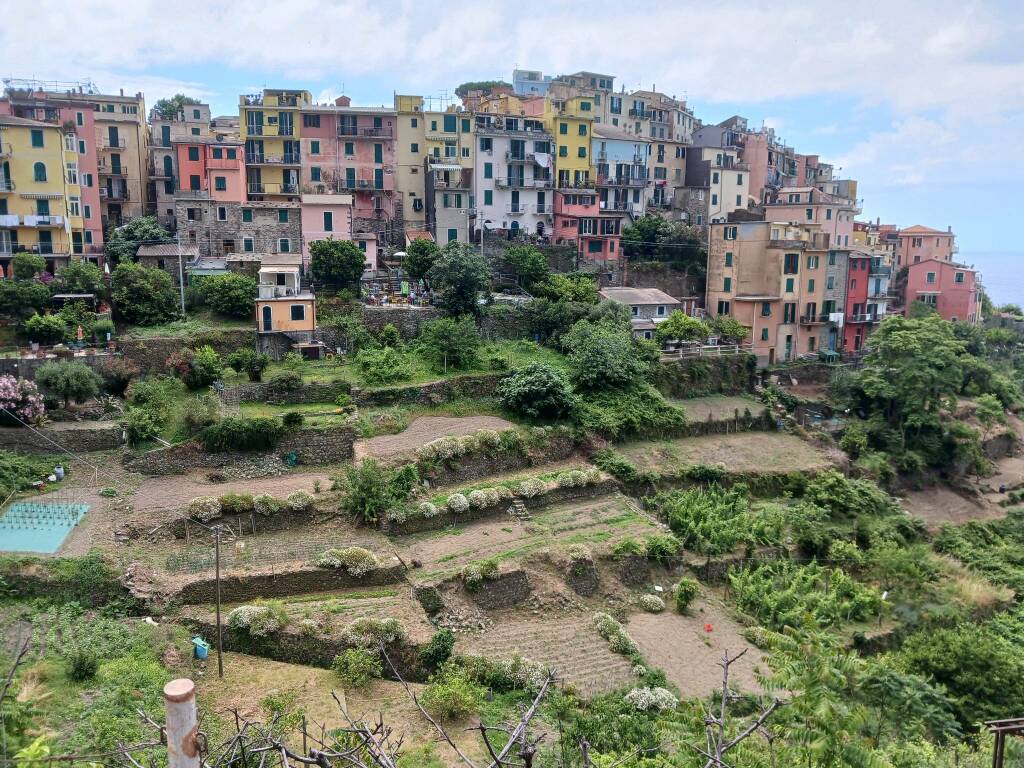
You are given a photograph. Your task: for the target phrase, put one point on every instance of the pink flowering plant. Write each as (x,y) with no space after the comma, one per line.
(20,400)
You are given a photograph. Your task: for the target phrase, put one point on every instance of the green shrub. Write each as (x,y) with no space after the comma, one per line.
(651,603)
(259,620)
(475,574)
(684,593)
(450,695)
(248,361)
(232,295)
(232,503)
(370,489)
(367,632)
(45,329)
(628,547)
(438,650)
(450,343)
(117,373)
(199,413)
(238,434)
(68,381)
(661,548)
(293,419)
(283,383)
(355,560)
(82,664)
(989,410)
(604,355)
(198,368)
(616,465)
(854,440)
(537,390)
(139,425)
(384,365)
(390,336)
(638,411)
(356,667)
(103,328)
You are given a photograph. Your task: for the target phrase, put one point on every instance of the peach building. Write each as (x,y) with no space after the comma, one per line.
(919,243)
(954,290)
(325,217)
(580,221)
(833,214)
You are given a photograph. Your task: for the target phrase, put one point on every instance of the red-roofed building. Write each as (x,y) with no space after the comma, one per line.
(952,289)
(919,243)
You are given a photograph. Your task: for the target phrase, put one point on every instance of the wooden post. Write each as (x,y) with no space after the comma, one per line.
(220,642)
(182,726)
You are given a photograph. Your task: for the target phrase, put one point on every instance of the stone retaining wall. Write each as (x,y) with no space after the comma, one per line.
(26,367)
(507,590)
(433,393)
(309,392)
(473,467)
(699,376)
(152,354)
(101,436)
(298,582)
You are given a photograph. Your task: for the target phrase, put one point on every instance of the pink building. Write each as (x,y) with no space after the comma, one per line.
(579,221)
(211,168)
(952,289)
(325,217)
(859,321)
(808,205)
(918,243)
(352,149)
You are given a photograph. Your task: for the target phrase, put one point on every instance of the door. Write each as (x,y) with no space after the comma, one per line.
(267,315)
(378,153)
(453,235)
(112,137)
(540,202)
(832,339)
(515,201)
(165,135)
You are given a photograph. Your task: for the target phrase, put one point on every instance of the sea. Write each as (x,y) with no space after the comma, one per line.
(1002,274)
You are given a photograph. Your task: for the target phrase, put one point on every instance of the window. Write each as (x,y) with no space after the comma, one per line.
(193,153)
(728,258)
(450,124)
(247,245)
(72,173)
(247,214)
(232,154)
(195,114)
(465,125)
(661,310)
(810,286)
(81,147)
(314,147)
(958,277)
(220,183)
(486,144)
(584,106)
(582,152)
(193,182)
(282,216)
(830,283)
(37,137)
(583,129)
(828,214)
(311,121)
(635,310)
(350,148)
(453,235)
(931,277)
(723,307)
(728,233)
(298,311)
(192,214)
(791,264)
(714,177)
(766,309)
(809,214)
(488,171)
(42,207)
(764,334)
(812,262)
(195,131)
(832,259)
(714,199)
(222,213)
(328,221)
(488,197)
(739,179)
(563,128)
(69,142)
(284,245)
(727,285)
(563,151)
(789,313)
(218,153)
(79,118)
(465,151)
(739,200)
(314,173)
(87,211)
(789,285)
(414,148)
(39,171)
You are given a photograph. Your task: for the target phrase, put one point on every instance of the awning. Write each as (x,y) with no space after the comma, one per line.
(445,167)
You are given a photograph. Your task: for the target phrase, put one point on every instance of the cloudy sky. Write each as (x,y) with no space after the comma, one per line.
(921,100)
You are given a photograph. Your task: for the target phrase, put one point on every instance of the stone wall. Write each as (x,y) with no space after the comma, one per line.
(311,445)
(475,385)
(309,392)
(152,354)
(283,584)
(471,467)
(26,367)
(664,277)
(82,437)
(699,376)
(507,590)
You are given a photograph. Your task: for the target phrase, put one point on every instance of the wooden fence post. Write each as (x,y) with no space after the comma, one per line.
(182,726)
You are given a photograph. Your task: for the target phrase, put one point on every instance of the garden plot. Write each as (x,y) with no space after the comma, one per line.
(606,520)
(747,452)
(716,407)
(173,491)
(570,644)
(939,504)
(423,430)
(689,653)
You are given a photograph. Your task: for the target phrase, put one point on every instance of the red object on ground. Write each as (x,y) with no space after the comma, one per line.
(708,628)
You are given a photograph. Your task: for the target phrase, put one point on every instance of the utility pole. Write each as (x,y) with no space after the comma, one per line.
(220,639)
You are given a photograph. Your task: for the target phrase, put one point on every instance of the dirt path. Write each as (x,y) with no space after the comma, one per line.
(938,505)
(423,430)
(688,654)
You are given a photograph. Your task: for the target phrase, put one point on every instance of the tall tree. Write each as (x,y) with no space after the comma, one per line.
(143,296)
(530,265)
(168,109)
(420,257)
(338,263)
(122,243)
(459,277)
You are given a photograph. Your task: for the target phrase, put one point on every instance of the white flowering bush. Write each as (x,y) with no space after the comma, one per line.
(622,644)
(457,503)
(264,504)
(492,496)
(612,631)
(652,603)
(368,632)
(474,574)
(572,479)
(504,493)
(592,475)
(22,398)
(257,620)
(651,699)
(426,509)
(524,673)
(579,553)
(204,508)
(300,501)
(355,560)
(477,499)
(639,670)
(488,439)
(531,487)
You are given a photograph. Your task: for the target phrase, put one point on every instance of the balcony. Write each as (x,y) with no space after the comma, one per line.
(254,130)
(640,114)
(861,318)
(880,271)
(158,172)
(256,189)
(114,194)
(881,294)
(614,206)
(278,291)
(273,188)
(110,170)
(6,185)
(511,157)
(9,220)
(573,186)
(813,319)
(622,181)
(365,133)
(43,221)
(515,209)
(517,182)
(109,143)
(288,158)
(192,194)
(253,100)
(222,164)
(544,208)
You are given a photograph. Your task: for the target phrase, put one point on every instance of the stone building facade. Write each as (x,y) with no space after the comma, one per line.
(219,228)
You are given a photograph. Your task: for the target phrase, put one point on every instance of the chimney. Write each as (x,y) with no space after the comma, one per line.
(949,229)
(122,91)
(343,101)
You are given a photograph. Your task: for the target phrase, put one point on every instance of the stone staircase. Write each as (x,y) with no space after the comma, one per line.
(518,511)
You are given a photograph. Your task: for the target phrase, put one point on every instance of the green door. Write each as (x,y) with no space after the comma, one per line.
(453,234)
(378,153)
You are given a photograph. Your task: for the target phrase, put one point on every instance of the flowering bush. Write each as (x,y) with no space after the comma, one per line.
(579,553)
(652,603)
(572,479)
(474,574)
(300,501)
(477,499)
(204,508)
(257,620)
(457,503)
(20,400)
(264,504)
(428,510)
(651,699)
(488,439)
(367,632)
(530,487)
(524,673)
(612,631)
(355,560)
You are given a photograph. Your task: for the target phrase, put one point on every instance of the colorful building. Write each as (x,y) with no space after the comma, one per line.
(580,221)
(719,181)
(833,214)
(953,290)
(410,149)
(623,184)
(40,193)
(324,217)
(270,126)
(920,243)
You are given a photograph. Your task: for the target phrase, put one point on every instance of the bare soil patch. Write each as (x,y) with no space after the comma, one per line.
(689,654)
(746,452)
(423,430)
(939,504)
(172,491)
(716,407)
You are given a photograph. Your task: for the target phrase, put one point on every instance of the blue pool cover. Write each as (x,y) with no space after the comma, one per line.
(28,526)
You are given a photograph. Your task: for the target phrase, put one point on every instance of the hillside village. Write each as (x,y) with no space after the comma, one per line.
(551,427)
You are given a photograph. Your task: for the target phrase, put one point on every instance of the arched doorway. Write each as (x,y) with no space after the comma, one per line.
(267,318)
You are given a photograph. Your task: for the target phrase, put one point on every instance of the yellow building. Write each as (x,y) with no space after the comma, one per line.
(271,127)
(410,149)
(122,142)
(40,196)
(571,124)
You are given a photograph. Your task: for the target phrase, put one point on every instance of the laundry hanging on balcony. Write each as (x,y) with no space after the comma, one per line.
(543,159)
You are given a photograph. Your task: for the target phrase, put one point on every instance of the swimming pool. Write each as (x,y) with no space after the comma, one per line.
(28,526)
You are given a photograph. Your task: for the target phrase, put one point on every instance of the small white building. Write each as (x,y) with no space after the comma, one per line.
(647,307)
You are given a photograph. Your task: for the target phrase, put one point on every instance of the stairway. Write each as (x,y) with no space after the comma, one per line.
(518,511)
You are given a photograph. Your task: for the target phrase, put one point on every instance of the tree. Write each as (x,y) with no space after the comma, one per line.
(537,390)
(530,265)
(450,342)
(68,381)
(603,355)
(142,295)
(989,410)
(19,298)
(652,238)
(249,361)
(338,263)
(198,368)
(480,85)
(913,371)
(681,327)
(81,277)
(232,294)
(20,401)
(577,286)
(420,257)
(371,489)
(729,329)
(27,265)
(122,243)
(169,109)
(458,277)
(45,329)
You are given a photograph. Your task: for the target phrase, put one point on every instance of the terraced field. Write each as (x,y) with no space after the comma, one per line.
(746,452)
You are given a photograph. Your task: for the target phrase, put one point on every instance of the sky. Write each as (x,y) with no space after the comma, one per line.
(921,101)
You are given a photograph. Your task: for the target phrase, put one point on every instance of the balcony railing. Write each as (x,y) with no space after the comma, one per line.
(642,114)
(813,319)
(365,133)
(193,194)
(277,291)
(107,143)
(512,157)
(861,318)
(6,185)
(522,183)
(515,208)
(614,206)
(881,271)
(570,186)
(9,220)
(254,130)
(114,194)
(622,181)
(544,208)
(43,221)
(288,158)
